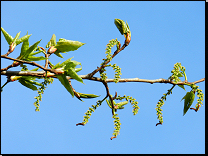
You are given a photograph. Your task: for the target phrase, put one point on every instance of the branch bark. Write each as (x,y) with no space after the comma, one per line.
(26,62)
(42,74)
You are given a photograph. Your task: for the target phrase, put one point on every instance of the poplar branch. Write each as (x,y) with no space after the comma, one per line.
(26,62)
(42,74)
(104,65)
(108,94)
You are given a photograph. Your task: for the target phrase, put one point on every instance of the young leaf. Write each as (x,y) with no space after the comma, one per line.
(109,103)
(78,69)
(182,86)
(22,39)
(83,95)
(8,37)
(72,73)
(62,78)
(27,84)
(33,58)
(57,53)
(16,37)
(35,69)
(37,52)
(25,46)
(52,41)
(128,29)
(64,45)
(29,50)
(188,100)
(121,104)
(58,65)
(121,25)
(68,61)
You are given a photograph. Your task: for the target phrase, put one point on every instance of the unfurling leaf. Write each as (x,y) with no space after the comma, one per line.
(25,46)
(83,95)
(69,67)
(72,73)
(62,65)
(22,39)
(25,54)
(121,104)
(188,100)
(33,58)
(57,53)
(64,45)
(62,78)
(109,103)
(8,37)
(29,82)
(121,25)
(182,86)
(52,41)
(16,37)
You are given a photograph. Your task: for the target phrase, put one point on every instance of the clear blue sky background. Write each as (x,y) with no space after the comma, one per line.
(163,33)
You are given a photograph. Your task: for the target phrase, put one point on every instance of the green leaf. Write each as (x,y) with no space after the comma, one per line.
(25,46)
(33,58)
(22,39)
(128,29)
(16,37)
(30,50)
(182,86)
(109,103)
(37,52)
(121,25)
(27,84)
(35,69)
(68,62)
(64,45)
(69,68)
(72,73)
(71,64)
(121,104)
(57,53)
(83,95)
(188,100)
(78,69)
(36,83)
(62,78)
(31,80)
(52,41)
(58,65)
(8,37)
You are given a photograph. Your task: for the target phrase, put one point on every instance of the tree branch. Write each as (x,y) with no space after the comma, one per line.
(42,74)
(126,43)
(26,62)
(108,94)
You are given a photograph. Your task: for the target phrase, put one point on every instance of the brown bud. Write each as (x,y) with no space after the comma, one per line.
(52,50)
(11,47)
(15,64)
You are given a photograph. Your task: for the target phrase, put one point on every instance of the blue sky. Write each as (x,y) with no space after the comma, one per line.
(163,33)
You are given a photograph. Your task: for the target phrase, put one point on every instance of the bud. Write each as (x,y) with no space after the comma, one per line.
(52,50)
(12,47)
(121,25)
(128,39)
(118,45)
(15,64)
(14,78)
